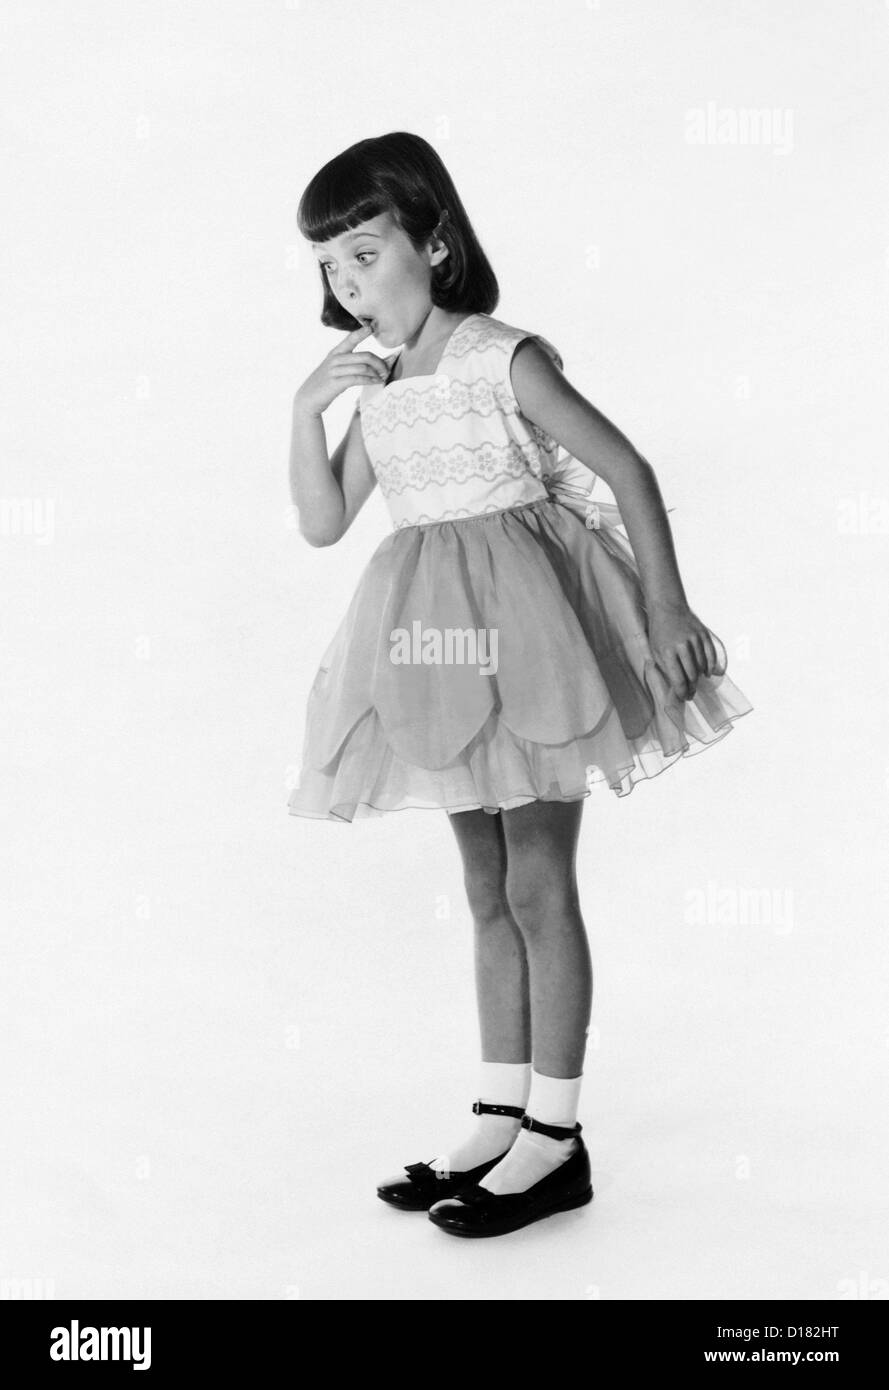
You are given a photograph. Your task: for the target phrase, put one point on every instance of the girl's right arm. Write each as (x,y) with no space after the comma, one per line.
(327,492)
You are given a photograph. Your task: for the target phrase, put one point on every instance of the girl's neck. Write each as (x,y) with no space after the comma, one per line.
(423,359)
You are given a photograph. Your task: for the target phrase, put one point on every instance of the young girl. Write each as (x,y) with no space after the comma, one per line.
(505,649)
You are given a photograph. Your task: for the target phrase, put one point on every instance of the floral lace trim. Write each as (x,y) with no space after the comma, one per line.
(481,335)
(383,414)
(456,466)
(503,338)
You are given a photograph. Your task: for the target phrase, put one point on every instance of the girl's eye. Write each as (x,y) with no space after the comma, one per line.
(325,265)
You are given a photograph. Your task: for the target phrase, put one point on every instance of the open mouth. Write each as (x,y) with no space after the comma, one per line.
(368,322)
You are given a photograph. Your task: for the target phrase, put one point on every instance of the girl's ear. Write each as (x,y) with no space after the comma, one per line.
(440,248)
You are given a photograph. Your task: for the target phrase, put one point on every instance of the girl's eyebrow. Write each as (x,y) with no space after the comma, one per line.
(350,236)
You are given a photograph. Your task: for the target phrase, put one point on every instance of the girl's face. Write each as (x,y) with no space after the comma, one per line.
(375,273)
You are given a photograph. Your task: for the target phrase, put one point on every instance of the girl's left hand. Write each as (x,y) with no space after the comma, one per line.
(683,648)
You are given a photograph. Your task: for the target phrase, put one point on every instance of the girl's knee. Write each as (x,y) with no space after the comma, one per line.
(536,898)
(486,896)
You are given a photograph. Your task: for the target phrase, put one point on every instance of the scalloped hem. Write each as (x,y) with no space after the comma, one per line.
(622,782)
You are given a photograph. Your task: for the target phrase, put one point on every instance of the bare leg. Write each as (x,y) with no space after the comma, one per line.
(541,887)
(501,966)
(501,978)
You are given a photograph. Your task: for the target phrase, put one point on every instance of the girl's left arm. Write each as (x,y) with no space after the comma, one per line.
(681,643)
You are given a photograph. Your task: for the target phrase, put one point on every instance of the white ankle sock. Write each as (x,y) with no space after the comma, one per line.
(500,1083)
(552,1100)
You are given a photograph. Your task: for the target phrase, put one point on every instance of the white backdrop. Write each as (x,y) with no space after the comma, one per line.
(221,1024)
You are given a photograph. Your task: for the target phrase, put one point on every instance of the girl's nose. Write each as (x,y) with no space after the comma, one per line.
(343,286)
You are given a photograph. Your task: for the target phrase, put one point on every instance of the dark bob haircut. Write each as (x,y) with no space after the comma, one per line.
(401,174)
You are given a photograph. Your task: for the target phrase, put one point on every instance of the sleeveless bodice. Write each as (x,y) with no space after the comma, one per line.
(455,443)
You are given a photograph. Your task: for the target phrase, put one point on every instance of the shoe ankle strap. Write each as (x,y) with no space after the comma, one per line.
(481,1107)
(554,1131)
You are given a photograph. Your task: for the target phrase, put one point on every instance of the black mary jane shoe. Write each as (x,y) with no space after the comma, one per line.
(477,1212)
(423,1185)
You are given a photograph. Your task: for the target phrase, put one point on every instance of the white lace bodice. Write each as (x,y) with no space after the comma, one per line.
(454,443)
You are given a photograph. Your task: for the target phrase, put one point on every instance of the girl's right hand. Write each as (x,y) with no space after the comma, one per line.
(340,369)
